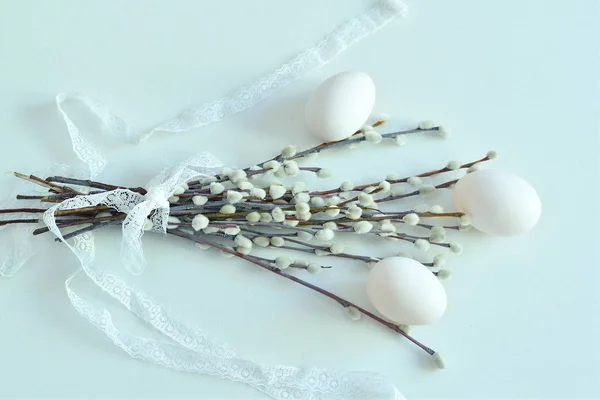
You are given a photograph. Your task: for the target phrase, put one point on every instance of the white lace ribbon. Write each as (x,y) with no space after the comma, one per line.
(187,347)
(350,32)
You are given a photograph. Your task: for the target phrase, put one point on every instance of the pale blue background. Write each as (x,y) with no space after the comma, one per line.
(517,76)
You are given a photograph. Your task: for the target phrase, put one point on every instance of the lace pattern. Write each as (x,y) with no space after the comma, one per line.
(350,32)
(190,349)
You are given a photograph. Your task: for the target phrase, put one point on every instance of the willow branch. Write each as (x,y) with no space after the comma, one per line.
(338,299)
(92,184)
(403,180)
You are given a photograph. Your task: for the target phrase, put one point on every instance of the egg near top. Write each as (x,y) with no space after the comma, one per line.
(340,106)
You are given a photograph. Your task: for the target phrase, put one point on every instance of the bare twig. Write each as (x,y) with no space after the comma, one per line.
(92,184)
(268,267)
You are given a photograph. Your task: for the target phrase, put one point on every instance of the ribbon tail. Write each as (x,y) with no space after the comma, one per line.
(187,348)
(132,252)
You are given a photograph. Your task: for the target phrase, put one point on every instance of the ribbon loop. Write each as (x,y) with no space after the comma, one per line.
(158,192)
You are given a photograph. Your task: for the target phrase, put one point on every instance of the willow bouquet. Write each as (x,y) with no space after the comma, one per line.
(237,211)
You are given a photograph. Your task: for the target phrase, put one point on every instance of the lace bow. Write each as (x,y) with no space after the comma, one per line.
(156,199)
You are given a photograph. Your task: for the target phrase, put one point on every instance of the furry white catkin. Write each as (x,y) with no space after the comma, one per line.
(187,347)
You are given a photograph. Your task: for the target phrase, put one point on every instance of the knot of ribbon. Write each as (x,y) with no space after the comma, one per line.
(157,197)
(154,206)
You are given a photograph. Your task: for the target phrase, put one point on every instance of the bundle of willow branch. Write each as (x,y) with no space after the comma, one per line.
(239,210)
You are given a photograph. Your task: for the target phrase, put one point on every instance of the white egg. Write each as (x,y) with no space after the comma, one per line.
(406,292)
(340,106)
(499,203)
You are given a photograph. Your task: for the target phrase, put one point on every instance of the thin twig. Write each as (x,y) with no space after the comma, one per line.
(340,255)
(86,229)
(49,185)
(92,184)
(351,140)
(93,220)
(19,221)
(416,192)
(341,301)
(401,180)
(22,210)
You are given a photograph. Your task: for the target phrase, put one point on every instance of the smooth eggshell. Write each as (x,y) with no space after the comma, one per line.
(499,203)
(340,106)
(406,292)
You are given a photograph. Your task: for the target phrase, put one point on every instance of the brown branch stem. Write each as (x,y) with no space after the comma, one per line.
(338,299)
(92,184)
